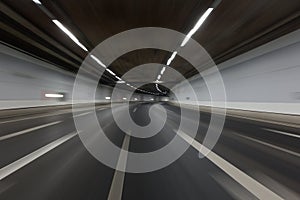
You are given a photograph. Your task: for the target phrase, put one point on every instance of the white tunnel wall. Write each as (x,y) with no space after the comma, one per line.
(24,81)
(264,79)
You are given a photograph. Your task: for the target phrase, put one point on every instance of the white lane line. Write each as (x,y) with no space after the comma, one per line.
(116,188)
(268,144)
(27,118)
(39,116)
(18,164)
(282,132)
(5,137)
(253,186)
(82,114)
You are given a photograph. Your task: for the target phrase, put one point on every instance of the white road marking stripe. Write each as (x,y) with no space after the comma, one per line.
(269,145)
(82,114)
(282,133)
(39,116)
(116,188)
(5,137)
(18,164)
(253,186)
(27,118)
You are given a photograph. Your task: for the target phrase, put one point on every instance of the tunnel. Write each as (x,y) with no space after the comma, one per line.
(149,99)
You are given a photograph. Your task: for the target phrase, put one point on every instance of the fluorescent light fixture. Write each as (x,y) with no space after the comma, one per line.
(66,31)
(172,57)
(158,77)
(37,2)
(111,72)
(121,81)
(163,70)
(118,78)
(98,61)
(54,95)
(108,98)
(197,26)
(135,99)
(124,98)
(156,85)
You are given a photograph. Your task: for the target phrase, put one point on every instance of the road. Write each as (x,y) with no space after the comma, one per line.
(42,157)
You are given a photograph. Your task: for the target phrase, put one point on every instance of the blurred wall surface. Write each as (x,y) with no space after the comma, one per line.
(264,79)
(24,81)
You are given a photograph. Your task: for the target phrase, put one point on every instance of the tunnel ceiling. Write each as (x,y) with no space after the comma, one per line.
(233,28)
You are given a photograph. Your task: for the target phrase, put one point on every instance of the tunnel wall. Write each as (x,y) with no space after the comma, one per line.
(24,80)
(264,79)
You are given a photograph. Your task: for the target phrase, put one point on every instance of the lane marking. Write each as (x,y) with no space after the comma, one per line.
(5,137)
(39,116)
(134,109)
(268,144)
(282,132)
(82,114)
(27,118)
(116,188)
(253,186)
(18,164)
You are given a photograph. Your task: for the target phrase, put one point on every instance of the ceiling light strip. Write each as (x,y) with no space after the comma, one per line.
(68,33)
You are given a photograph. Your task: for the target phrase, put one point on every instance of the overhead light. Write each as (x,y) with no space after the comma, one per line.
(98,61)
(120,81)
(107,98)
(66,31)
(124,98)
(172,57)
(163,70)
(156,85)
(54,95)
(118,78)
(128,84)
(111,72)
(37,2)
(158,77)
(197,26)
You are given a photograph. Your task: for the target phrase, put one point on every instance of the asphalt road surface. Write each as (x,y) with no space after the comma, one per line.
(42,157)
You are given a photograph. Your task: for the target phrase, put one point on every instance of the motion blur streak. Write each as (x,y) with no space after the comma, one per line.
(241,54)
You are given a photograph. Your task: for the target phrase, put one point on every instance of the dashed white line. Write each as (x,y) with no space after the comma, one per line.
(18,164)
(116,188)
(282,133)
(253,186)
(269,145)
(5,137)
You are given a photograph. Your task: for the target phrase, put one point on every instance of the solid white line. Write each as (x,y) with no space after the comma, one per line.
(18,164)
(27,130)
(27,118)
(39,116)
(82,114)
(282,133)
(116,188)
(253,186)
(269,145)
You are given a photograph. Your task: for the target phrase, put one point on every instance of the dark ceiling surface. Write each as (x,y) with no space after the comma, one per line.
(234,27)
